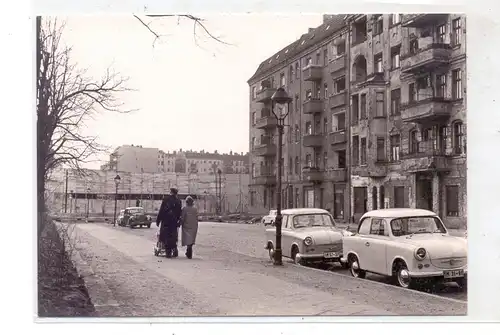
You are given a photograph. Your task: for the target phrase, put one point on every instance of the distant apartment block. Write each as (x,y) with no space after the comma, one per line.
(137,159)
(378,117)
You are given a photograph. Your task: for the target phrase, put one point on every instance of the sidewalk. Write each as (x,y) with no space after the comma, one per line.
(238,285)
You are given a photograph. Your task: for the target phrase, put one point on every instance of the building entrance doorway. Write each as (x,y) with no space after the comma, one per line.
(423,194)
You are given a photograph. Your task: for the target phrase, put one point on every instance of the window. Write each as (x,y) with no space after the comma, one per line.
(441,85)
(355,109)
(254,118)
(253,169)
(413,46)
(377,61)
(441,33)
(325,57)
(297,133)
(325,126)
(395,147)
(458,138)
(318,91)
(308,61)
(297,165)
(339,85)
(395,19)
(338,122)
(308,160)
(365,227)
(290,74)
(395,58)
(355,150)
(380,149)
(254,92)
(297,195)
(308,128)
(452,202)
(340,48)
(325,160)
(399,196)
(282,80)
(379,99)
(412,93)
(325,89)
(252,198)
(308,94)
(297,72)
(374,198)
(457,83)
(265,198)
(363,151)
(341,157)
(338,201)
(254,142)
(396,102)
(378,25)
(290,165)
(318,57)
(413,142)
(377,226)
(297,103)
(382,196)
(362,111)
(457,32)
(317,159)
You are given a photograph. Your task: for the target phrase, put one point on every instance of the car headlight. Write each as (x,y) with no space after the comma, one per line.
(308,241)
(420,254)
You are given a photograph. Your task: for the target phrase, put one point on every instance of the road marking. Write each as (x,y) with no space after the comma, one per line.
(382,284)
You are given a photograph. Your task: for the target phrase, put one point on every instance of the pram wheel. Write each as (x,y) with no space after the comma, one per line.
(157,252)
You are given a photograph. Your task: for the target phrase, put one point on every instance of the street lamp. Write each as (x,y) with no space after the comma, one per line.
(205,202)
(280,97)
(88,202)
(219,205)
(117,182)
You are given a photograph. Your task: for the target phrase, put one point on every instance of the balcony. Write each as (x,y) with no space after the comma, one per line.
(336,175)
(312,73)
(422,20)
(266,177)
(337,137)
(426,158)
(312,174)
(337,99)
(426,110)
(265,94)
(372,169)
(427,58)
(337,64)
(265,148)
(267,120)
(312,106)
(312,140)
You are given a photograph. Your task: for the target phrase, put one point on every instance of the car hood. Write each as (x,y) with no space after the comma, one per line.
(438,245)
(320,235)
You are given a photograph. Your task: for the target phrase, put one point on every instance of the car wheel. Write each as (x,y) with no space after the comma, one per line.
(270,249)
(131,226)
(295,252)
(402,276)
(149,225)
(354,269)
(345,265)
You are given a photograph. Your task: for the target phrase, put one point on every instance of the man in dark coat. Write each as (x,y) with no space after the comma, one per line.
(168,216)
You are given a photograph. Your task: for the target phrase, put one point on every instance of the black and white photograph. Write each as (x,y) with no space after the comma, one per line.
(251,165)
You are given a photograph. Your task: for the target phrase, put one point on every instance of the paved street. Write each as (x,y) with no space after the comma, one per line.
(230,274)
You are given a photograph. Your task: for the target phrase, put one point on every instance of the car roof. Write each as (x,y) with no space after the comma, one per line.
(398,212)
(295,211)
(134,208)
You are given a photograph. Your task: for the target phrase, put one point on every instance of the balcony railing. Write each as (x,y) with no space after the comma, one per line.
(266,177)
(336,175)
(312,140)
(425,156)
(267,120)
(427,58)
(422,20)
(338,137)
(425,110)
(312,106)
(337,64)
(312,72)
(313,174)
(265,148)
(338,99)
(265,94)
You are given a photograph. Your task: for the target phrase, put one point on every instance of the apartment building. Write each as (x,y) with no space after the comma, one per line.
(378,118)
(137,159)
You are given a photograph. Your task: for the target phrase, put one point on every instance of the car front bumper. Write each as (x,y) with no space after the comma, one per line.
(434,273)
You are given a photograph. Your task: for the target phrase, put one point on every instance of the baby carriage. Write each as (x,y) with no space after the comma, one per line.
(159,246)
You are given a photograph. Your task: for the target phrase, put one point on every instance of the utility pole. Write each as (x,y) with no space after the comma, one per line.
(66,194)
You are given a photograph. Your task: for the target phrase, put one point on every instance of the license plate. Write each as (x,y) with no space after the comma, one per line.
(453,273)
(330,255)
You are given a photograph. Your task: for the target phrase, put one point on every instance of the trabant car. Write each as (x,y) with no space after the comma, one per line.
(135,217)
(408,245)
(269,218)
(309,235)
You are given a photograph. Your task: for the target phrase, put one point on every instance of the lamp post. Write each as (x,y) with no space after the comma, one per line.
(71,202)
(280,97)
(88,203)
(219,200)
(205,202)
(117,182)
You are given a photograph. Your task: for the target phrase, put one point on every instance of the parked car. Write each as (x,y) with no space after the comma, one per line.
(136,217)
(309,235)
(119,219)
(408,245)
(269,218)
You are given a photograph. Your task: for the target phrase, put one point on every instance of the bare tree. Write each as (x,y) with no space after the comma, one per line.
(66,99)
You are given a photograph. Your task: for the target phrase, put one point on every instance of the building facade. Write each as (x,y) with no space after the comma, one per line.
(137,159)
(377,119)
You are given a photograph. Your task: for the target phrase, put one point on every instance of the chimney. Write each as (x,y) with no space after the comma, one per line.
(215,152)
(180,150)
(231,152)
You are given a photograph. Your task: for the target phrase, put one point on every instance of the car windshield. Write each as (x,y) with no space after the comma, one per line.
(312,220)
(416,225)
(136,211)
(272,212)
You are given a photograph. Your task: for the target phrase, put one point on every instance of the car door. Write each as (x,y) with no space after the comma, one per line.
(286,235)
(376,246)
(358,242)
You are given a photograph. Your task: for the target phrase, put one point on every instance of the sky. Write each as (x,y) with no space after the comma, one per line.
(188,94)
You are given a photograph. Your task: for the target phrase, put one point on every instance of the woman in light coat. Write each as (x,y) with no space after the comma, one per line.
(189,221)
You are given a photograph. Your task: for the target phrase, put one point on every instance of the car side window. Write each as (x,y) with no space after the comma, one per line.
(364,228)
(284,223)
(377,227)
